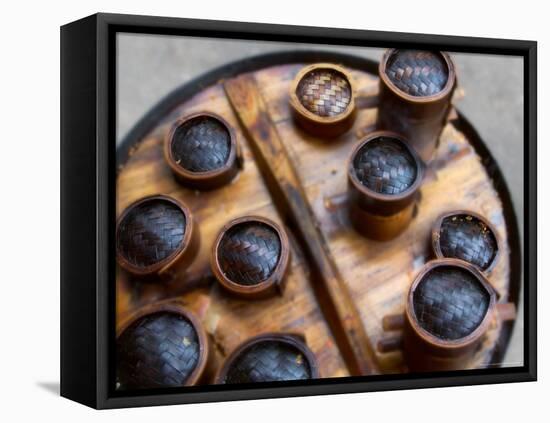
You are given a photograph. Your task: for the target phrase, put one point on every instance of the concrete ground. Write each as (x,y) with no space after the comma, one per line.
(151,66)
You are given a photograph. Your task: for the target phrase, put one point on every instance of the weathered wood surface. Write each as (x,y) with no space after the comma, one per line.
(376,274)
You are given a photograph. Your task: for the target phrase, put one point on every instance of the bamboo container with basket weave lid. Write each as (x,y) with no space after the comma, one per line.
(322,97)
(384,175)
(468,236)
(162,345)
(416,89)
(269,357)
(250,257)
(202,151)
(449,308)
(156,236)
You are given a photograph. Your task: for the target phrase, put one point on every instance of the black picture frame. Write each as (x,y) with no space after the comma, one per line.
(88,162)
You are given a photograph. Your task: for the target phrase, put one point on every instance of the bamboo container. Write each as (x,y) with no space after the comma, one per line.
(156,236)
(162,345)
(322,98)
(269,357)
(416,88)
(450,307)
(201,149)
(468,236)
(384,176)
(250,257)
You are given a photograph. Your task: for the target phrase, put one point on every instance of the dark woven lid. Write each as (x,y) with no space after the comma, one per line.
(417,73)
(150,232)
(268,361)
(385,165)
(201,144)
(157,351)
(450,303)
(249,252)
(466,237)
(325,92)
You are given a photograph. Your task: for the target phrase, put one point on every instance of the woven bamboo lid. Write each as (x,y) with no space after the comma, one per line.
(385,165)
(249,252)
(161,349)
(269,358)
(467,236)
(201,150)
(418,73)
(201,144)
(150,232)
(449,302)
(153,234)
(384,174)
